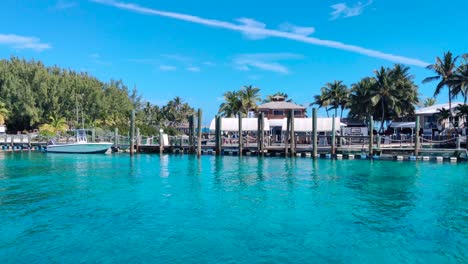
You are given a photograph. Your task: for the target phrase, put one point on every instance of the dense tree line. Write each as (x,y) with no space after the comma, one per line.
(32,95)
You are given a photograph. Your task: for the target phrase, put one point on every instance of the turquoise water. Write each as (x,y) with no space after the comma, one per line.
(177,209)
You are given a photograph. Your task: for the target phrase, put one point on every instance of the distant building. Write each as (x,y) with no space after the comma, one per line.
(278,108)
(2,129)
(428,120)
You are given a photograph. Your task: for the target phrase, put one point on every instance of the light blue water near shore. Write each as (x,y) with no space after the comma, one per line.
(177,209)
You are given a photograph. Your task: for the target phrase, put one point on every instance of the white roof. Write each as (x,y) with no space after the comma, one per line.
(232,124)
(433,109)
(305,124)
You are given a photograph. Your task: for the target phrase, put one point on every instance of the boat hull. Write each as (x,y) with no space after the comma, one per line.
(81,148)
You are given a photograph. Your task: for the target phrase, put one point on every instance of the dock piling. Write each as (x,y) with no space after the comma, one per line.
(132,133)
(293,136)
(416,139)
(333,136)
(199,135)
(217,135)
(314,132)
(241,138)
(371,137)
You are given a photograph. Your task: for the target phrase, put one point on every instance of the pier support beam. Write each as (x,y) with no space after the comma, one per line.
(132,133)
(293,136)
(218,135)
(333,136)
(287,134)
(93,135)
(138,140)
(260,134)
(161,141)
(371,136)
(416,138)
(199,134)
(314,133)
(116,137)
(192,134)
(241,138)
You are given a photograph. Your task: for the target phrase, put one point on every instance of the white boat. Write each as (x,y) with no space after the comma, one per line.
(81,146)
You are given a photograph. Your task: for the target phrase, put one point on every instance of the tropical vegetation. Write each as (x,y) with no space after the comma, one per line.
(240,102)
(33,94)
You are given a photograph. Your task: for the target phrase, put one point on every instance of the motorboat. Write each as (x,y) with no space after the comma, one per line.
(81,146)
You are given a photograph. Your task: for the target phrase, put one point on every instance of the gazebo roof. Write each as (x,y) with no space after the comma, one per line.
(281,105)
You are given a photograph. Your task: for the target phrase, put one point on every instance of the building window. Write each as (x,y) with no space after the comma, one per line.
(278,112)
(297,113)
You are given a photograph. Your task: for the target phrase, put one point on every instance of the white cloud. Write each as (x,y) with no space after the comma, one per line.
(96,58)
(343,10)
(256,28)
(193,69)
(63,4)
(304,31)
(209,63)
(245,29)
(167,68)
(264,61)
(22,42)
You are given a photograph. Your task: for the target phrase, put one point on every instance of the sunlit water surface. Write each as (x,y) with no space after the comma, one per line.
(177,209)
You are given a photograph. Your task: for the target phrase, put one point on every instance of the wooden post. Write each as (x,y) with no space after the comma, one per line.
(161,141)
(217,135)
(286,135)
(241,138)
(458,143)
(379,141)
(293,136)
(116,137)
(132,133)
(262,133)
(29,141)
(138,140)
(416,138)
(259,132)
(333,136)
(220,136)
(199,136)
(191,144)
(371,136)
(314,133)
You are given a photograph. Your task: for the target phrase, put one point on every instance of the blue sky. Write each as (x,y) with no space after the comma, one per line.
(200,49)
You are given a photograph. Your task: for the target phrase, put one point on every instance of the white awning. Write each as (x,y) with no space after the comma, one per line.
(403,125)
(323,124)
(232,124)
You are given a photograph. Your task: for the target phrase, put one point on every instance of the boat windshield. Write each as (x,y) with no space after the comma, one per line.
(81,135)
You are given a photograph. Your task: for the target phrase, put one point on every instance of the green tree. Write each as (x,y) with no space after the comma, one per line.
(444,69)
(55,126)
(249,96)
(3,113)
(460,80)
(232,104)
(360,106)
(462,112)
(321,100)
(429,102)
(337,96)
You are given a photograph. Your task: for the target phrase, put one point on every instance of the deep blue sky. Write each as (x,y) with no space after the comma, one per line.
(263,43)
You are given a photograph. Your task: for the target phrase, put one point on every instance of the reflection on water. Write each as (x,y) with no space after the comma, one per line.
(230,209)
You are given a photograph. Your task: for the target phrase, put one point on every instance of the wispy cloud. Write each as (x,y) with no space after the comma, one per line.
(167,68)
(256,30)
(193,69)
(209,63)
(304,31)
(22,42)
(96,58)
(343,10)
(63,4)
(264,61)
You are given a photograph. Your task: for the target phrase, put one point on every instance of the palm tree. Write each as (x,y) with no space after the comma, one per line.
(429,102)
(462,112)
(249,97)
(360,99)
(232,104)
(55,126)
(3,113)
(460,80)
(384,93)
(321,101)
(441,115)
(337,95)
(444,69)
